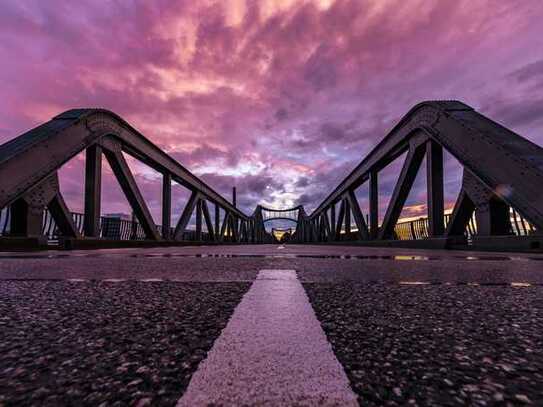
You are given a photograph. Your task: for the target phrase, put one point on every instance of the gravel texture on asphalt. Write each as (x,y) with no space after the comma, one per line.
(105,343)
(395,271)
(174,268)
(246,268)
(435,345)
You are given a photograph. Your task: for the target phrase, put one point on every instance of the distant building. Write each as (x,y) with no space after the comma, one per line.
(119,215)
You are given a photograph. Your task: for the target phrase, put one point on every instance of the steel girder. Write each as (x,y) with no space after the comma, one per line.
(50,145)
(501,169)
(30,160)
(499,161)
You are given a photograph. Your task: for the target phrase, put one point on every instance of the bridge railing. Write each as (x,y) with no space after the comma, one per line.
(419,228)
(113,228)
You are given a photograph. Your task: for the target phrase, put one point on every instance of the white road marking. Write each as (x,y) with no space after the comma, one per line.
(272,352)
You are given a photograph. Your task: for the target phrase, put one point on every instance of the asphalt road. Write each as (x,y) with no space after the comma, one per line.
(130,327)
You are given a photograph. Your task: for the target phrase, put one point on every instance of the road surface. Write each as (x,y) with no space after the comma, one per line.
(391,326)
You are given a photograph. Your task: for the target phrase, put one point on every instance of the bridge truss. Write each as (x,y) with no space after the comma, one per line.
(29,185)
(502,174)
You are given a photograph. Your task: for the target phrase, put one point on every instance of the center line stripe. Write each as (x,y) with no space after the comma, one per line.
(272,352)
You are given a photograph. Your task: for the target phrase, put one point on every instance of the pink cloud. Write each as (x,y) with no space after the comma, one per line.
(306,88)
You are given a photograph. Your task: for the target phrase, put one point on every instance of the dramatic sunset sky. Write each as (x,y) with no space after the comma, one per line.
(280,98)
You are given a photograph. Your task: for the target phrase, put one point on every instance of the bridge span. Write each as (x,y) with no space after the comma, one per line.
(499,206)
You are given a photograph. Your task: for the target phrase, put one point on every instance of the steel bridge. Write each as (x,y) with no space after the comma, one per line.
(500,204)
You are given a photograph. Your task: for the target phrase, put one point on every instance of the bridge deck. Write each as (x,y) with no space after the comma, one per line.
(132,326)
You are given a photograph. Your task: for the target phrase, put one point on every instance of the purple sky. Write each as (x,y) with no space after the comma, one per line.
(280,98)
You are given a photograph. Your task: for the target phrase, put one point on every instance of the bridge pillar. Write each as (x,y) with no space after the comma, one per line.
(434,179)
(166,205)
(26,219)
(340,220)
(199,220)
(93,188)
(491,212)
(217,222)
(347,220)
(27,211)
(333,222)
(493,218)
(374,204)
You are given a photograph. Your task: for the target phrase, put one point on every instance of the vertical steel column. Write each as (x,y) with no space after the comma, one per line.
(434,179)
(93,189)
(26,219)
(217,222)
(234,226)
(374,204)
(166,205)
(207,218)
(228,228)
(340,219)
(347,219)
(333,221)
(199,220)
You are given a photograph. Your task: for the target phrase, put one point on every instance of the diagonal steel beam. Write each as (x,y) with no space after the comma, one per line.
(340,219)
(207,218)
(327,227)
(401,190)
(62,216)
(184,219)
(133,195)
(224,225)
(333,220)
(233,228)
(199,219)
(320,229)
(357,214)
(462,213)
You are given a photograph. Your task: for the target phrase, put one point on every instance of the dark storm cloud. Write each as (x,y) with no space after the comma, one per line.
(285,97)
